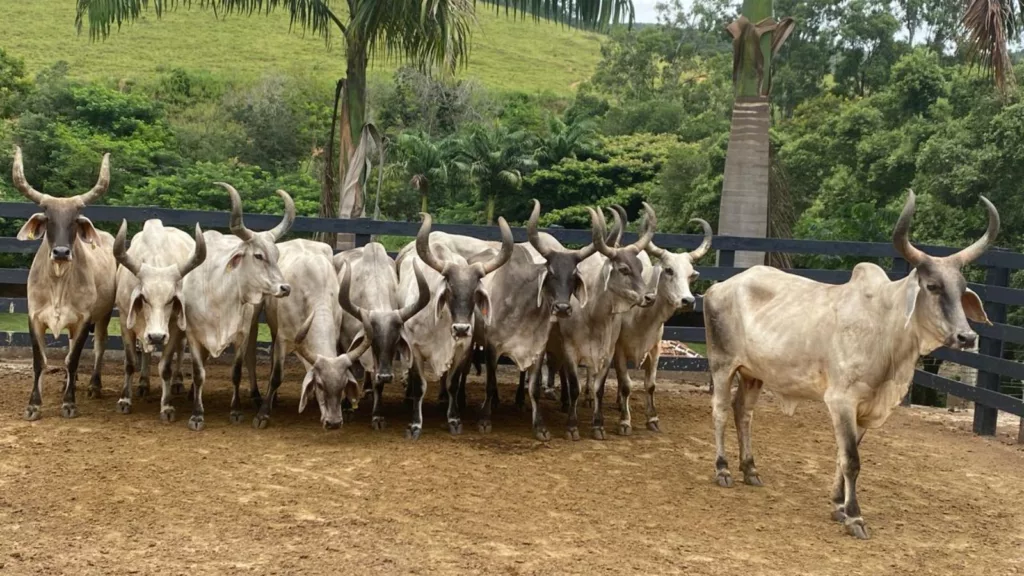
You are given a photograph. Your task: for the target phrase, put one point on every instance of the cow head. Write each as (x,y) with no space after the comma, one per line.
(383,328)
(623,272)
(937,297)
(255,259)
(461,290)
(560,278)
(675,271)
(60,221)
(157,298)
(330,379)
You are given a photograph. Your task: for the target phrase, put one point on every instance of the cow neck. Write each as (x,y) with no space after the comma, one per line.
(909,340)
(75,273)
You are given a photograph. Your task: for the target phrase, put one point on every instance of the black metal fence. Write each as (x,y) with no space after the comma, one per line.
(995,291)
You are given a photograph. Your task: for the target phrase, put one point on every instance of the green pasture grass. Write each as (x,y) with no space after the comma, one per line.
(505,53)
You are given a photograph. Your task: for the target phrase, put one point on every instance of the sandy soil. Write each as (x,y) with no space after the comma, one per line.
(113,494)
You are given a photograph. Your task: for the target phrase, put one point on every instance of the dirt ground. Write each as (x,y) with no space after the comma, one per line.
(113,494)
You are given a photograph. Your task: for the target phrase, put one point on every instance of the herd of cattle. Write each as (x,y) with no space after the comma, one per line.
(853,346)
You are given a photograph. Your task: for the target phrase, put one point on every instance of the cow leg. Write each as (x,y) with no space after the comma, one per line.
(178,379)
(124,403)
(572,430)
(143,388)
(68,409)
(848,437)
(377,421)
(743,411)
(597,423)
(171,357)
(521,391)
(463,375)
(250,361)
(199,356)
(99,348)
(540,430)
(564,381)
(451,380)
(416,388)
(650,375)
(721,379)
(277,356)
(35,397)
(236,382)
(625,388)
(588,390)
(490,390)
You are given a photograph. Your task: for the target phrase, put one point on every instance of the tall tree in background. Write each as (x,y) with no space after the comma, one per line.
(427,33)
(757,37)
(497,158)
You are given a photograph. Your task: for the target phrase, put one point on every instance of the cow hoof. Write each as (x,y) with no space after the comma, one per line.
(625,429)
(485,426)
(597,432)
(167,415)
(94,391)
(542,434)
(177,388)
(237,416)
(550,394)
(455,427)
(69,410)
(752,480)
(839,515)
(855,527)
(413,432)
(124,406)
(724,479)
(572,434)
(378,423)
(196,423)
(33,413)
(261,421)
(348,416)
(653,426)
(142,390)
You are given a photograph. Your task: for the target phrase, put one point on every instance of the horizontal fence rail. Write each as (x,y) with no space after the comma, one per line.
(995,291)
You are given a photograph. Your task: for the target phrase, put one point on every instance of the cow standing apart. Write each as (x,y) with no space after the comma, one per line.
(70,283)
(853,346)
(149,282)
(372,302)
(224,295)
(441,334)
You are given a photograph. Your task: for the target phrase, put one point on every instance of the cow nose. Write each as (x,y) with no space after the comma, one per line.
(328,425)
(283,290)
(460,330)
(688,300)
(966,339)
(648,300)
(561,309)
(385,378)
(156,338)
(62,253)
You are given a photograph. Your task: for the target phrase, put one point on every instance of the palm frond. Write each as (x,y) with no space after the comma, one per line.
(425,33)
(989,23)
(590,14)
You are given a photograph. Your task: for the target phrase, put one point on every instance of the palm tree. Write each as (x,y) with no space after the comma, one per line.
(427,33)
(426,162)
(497,158)
(565,141)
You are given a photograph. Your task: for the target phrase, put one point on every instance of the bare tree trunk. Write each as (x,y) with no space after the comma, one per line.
(353,115)
(330,182)
(744,208)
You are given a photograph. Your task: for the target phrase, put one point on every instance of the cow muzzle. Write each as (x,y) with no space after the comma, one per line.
(687,301)
(61,254)
(461,330)
(648,300)
(385,378)
(561,309)
(156,338)
(965,340)
(282,290)
(332,425)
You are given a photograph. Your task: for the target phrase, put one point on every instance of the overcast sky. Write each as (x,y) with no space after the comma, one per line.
(644,10)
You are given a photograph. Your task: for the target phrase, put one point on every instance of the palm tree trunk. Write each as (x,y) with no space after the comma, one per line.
(424,196)
(353,115)
(744,210)
(490,209)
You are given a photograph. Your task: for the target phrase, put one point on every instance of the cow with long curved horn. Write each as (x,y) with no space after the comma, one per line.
(853,346)
(149,295)
(70,284)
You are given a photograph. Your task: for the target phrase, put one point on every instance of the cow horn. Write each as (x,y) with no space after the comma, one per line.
(705,244)
(506,248)
(355,353)
(281,229)
(102,183)
(121,254)
(237,226)
(345,294)
(650,224)
(972,252)
(625,221)
(18,176)
(900,235)
(615,236)
(598,231)
(422,298)
(423,245)
(198,254)
(531,230)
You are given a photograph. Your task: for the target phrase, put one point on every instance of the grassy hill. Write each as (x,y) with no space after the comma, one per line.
(521,55)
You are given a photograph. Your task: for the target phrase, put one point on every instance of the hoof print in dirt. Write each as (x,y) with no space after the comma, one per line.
(33,413)
(167,415)
(69,410)
(196,423)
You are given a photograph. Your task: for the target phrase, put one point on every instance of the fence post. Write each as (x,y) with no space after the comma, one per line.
(902,267)
(984,416)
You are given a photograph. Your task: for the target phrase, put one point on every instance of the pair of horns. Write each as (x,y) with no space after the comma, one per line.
(18,176)
(598,227)
(546,251)
(914,256)
(237,226)
(133,265)
(404,313)
(423,248)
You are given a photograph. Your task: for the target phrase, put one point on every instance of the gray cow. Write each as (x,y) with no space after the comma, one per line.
(853,346)
(70,283)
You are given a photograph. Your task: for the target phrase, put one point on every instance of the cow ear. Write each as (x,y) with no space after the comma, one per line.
(581,289)
(442,300)
(404,351)
(134,306)
(483,304)
(236,258)
(356,342)
(308,385)
(540,286)
(973,308)
(178,306)
(910,298)
(35,227)
(87,231)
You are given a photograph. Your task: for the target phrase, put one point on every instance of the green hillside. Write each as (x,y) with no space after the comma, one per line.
(521,55)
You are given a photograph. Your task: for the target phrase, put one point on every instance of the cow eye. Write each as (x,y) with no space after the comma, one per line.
(932,287)
(670,272)
(259,256)
(624,271)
